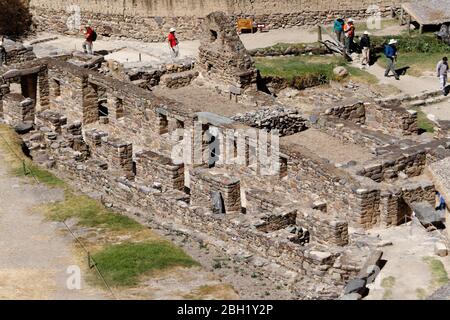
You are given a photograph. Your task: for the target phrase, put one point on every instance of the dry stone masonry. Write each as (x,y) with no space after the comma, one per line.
(110,134)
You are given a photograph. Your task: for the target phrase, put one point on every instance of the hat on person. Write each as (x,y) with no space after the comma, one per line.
(172,30)
(366,32)
(392,41)
(350,20)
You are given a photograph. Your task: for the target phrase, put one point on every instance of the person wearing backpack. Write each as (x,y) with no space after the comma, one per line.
(90,36)
(390,51)
(338,29)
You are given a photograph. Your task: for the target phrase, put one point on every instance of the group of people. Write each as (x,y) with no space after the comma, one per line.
(345,34)
(91,36)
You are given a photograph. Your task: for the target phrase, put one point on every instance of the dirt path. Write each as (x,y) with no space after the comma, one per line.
(407,84)
(407,274)
(35,254)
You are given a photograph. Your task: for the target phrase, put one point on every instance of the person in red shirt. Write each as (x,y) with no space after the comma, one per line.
(173,43)
(89,36)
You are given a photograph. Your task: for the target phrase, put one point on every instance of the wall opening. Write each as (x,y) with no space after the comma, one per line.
(163,124)
(56,84)
(213,35)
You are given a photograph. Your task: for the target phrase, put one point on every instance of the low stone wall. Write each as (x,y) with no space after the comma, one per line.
(178,80)
(349,132)
(294,50)
(355,112)
(152,169)
(394,118)
(17,52)
(286,121)
(17,109)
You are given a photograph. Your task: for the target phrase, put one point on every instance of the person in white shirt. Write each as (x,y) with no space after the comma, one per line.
(442,71)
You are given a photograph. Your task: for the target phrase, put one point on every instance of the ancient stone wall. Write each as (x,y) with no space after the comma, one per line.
(394,118)
(355,112)
(150,20)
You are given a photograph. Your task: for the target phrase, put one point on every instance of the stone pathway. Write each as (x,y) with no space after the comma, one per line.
(35,255)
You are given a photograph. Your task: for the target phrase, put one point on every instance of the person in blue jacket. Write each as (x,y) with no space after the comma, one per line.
(390,51)
(338,29)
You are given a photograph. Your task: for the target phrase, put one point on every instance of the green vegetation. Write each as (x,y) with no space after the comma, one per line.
(421,293)
(388,283)
(90,213)
(309,70)
(419,52)
(438,274)
(423,122)
(123,264)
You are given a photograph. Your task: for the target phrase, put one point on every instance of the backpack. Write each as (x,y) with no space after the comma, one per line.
(94,35)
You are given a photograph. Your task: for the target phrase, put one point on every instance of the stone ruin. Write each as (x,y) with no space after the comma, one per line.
(222,56)
(118,138)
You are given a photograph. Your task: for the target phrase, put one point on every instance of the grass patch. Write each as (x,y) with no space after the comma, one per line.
(388,283)
(304,67)
(438,274)
(90,213)
(11,144)
(421,293)
(123,264)
(423,122)
(207,292)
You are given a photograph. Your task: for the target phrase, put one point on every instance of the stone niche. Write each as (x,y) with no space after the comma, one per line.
(222,55)
(215,190)
(155,168)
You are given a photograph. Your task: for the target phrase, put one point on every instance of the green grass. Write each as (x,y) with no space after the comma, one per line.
(438,274)
(421,293)
(423,122)
(90,213)
(19,164)
(290,67)
(123,264)
(388,283)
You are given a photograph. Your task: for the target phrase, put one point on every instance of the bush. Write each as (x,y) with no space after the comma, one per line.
(416,44)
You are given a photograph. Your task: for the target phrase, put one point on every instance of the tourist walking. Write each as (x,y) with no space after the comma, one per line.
(90,37)
(349,30)
(173,43)
(442,71)
(338,29)
(365,47)
(390,51)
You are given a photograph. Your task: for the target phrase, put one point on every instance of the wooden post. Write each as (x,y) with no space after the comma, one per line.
(421,29)
(401,16)
(409,25)
(319,33)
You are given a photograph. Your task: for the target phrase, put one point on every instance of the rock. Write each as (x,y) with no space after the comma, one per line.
(355,286)
(384,243)
(440,249)
(352,296)
(24,127)
(340,72)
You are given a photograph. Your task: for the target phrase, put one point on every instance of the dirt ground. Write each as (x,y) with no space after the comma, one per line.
(35,254)
(407,274)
